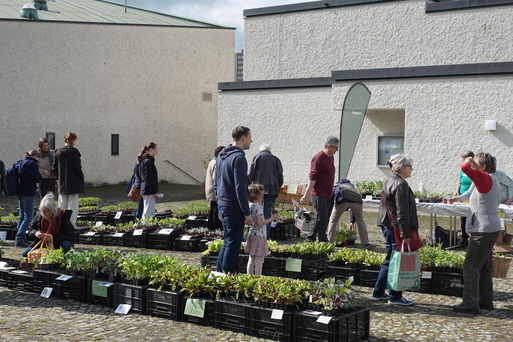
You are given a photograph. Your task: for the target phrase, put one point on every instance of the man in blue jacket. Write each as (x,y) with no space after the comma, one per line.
(231,187)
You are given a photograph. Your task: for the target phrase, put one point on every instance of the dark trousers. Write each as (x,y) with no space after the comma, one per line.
(47,185)
(214,222)
(477,271)
(322,206)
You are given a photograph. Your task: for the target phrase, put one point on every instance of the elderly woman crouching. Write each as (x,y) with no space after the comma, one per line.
(51,223)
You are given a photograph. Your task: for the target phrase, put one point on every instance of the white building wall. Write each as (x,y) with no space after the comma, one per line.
(295,122)
(377,35)
(442,118)
(144,83)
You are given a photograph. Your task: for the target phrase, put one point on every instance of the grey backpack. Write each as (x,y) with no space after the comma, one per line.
(349,192)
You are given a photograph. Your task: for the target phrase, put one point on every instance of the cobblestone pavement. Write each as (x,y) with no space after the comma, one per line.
(29,317)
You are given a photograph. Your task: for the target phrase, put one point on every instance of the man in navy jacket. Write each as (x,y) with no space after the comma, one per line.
(231,187)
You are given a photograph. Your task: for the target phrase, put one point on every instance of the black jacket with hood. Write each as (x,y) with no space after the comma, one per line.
(67,168)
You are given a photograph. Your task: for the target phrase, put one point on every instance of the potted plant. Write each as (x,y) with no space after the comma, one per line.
(53,260)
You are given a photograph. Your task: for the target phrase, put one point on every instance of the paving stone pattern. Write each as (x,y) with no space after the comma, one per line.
(29,317)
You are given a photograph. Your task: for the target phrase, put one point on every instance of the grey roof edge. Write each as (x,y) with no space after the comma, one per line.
(307,6)
(454,70)
(167,15)
(464,4)
(276,84)
(107,23)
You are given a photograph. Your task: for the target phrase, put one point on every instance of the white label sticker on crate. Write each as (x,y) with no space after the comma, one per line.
(123,309)
(98,223)
(277,314)
(64,277)
(138,232)
(426,275)
(118,215)
(186,237)
(118,234)
(89,233)
(47,291)
(191,218)
(166,231)
(324,319)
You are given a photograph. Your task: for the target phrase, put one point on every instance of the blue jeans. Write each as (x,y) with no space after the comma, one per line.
(26,207)
(65,245)
(233,229)
(381,283)
(139,211)
(269,201)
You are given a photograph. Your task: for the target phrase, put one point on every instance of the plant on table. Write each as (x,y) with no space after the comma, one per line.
(172,222)
(344,234)
(127,206)
(213,246)
(10,219)
(334,294)
(88,201)
(109,209)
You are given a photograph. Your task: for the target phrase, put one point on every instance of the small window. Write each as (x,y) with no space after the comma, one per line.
(207,97)
(51,140)
(388,145)
(114,144)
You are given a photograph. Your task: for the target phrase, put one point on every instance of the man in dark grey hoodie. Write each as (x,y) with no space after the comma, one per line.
(231,187)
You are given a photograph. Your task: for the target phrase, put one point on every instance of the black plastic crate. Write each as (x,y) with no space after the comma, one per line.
(367,277)
(125,218)
(165,304)
(5,272)
(133,295)
(87,239)
(76,288)
(208,318)
(234,316)
(107,300)
(275,267)
(264,326)
(20,281)
(448,284)
(353,326)
(43,278)
(209,261)
(279,232)
(103,218)
(343,273)
(310,270)
(115,239)
(162,241)
(199,221)
(141,241)
(10,232)
(191,245)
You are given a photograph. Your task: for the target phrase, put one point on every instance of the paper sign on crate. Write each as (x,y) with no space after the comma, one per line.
(123,309)
(195,307)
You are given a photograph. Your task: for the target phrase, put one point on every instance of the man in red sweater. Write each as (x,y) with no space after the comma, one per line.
(320,185)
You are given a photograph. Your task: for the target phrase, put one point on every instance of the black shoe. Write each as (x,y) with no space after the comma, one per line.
(488,308)
(309,240)
(22,243)
(465,309)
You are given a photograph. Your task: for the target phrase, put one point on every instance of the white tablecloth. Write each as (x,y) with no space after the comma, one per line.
(457,209)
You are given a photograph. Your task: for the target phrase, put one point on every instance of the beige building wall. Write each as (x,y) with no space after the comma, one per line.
(145,83)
